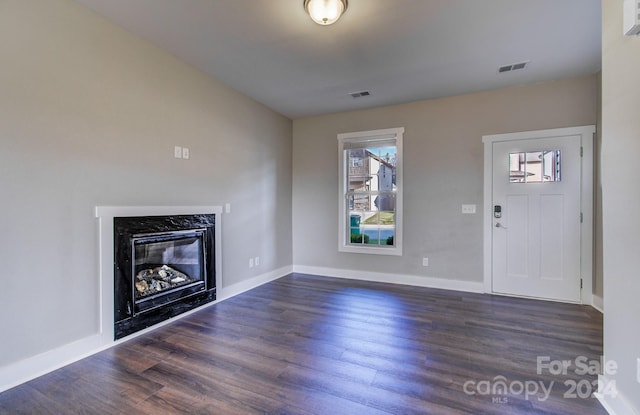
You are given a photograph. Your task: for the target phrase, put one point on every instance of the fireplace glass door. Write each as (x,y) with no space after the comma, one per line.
(167,266)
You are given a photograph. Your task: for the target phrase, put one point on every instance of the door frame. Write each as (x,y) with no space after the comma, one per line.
(586,200)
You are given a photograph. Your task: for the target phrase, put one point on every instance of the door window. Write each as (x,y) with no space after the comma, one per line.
(535,166)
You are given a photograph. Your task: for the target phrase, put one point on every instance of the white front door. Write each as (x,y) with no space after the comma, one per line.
(536,217)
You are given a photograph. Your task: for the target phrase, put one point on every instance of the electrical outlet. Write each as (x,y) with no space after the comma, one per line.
(185,153)
(425,262)
(257,261)
(250,262)
(177,152)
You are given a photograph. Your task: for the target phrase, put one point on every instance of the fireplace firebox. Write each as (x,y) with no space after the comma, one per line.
(164,266)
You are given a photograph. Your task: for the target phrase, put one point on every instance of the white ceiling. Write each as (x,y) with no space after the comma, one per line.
(399,50)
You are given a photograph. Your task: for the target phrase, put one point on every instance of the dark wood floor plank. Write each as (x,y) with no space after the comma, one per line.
(308,345)
(378,398)
(27,400)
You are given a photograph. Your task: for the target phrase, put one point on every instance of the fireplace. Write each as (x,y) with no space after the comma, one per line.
(163,266)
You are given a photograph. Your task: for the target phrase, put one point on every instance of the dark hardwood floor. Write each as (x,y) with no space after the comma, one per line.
(312,345)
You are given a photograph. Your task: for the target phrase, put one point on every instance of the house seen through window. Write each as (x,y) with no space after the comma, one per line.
(370,192)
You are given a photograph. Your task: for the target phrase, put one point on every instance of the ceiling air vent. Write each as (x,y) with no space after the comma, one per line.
(513,67)
(360,94)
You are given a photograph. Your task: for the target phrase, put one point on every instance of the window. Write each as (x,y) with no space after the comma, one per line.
(535,166)
(370,193)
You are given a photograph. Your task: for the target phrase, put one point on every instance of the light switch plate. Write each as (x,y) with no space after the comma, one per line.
(185,153)
(631,17)
(468,209)
(177,152)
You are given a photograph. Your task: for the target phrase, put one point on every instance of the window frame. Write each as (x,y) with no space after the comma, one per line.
(363,137)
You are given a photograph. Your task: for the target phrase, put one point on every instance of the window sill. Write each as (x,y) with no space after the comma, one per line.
(371,250)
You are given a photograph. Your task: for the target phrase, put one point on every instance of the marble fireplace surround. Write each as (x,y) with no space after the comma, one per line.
(105,214)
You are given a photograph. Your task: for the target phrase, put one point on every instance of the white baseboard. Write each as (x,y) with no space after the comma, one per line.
(25,370)
(598,303)
(617,405)
(240,287)
(430,282)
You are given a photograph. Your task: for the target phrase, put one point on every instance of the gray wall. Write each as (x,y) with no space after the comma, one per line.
(443,168)
(620,199)
(89,115)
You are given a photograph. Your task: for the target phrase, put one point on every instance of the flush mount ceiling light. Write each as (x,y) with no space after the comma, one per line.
(325,12)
